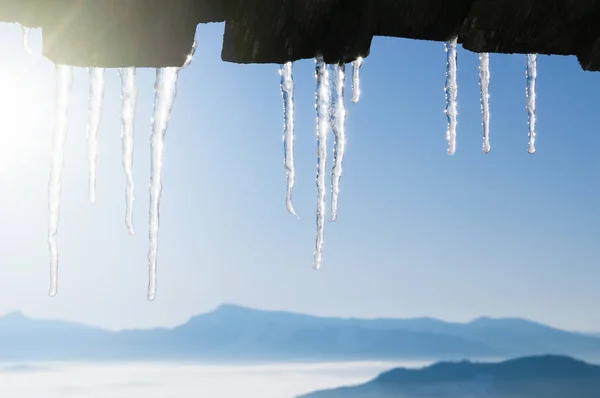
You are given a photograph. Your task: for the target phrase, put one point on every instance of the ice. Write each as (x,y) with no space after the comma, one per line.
(165,92)
(451,94)
(356,65)
(323,100)
(339,132)
(190,56)
(95,116)
(287,92)
(64,84)
(530,91)
(484,84)
(26,31)
(129,97)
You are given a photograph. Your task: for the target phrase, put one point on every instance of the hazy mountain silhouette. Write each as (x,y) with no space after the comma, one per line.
(542,376)
(242,334)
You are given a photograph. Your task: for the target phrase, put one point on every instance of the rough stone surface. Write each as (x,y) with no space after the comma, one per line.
(155,33)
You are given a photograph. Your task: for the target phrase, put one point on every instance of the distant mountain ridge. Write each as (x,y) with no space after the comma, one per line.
(548,376)
(235,333)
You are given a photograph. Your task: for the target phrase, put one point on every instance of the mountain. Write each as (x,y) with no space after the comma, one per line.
(542,376)
(234,333)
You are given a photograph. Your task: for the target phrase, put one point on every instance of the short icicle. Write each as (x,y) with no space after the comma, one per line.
(95,116)
(190,56)
(356,65)
(531,101)
(129,98)
(64,85)
(165,92)
(287,92)
(323,100)
(339,132)
(484,84)
(26,31)
(451,94)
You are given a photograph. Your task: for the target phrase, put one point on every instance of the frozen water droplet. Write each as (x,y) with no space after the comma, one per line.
(323,100)
(339,132)
(64,84)
(95,116)
(165,92)
(287,92)
(129,97)
(451,94)
(484,84)
(356,65)
(531,104)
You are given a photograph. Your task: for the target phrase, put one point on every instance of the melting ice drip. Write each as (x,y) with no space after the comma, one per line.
(64,84)
(97,83)
(484,84)
(129,98)
(287,92)
(530,92)
(451,94)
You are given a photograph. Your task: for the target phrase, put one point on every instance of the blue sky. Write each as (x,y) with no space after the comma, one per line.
(420,233)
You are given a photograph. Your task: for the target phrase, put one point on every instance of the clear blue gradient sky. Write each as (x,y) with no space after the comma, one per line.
(420,233)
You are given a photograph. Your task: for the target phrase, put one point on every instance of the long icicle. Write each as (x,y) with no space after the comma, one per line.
(484,84)
(531,101)
(129,97)
(64,84)
(339,132)
(165,92)
(356,65)
(287,92)
(95,116)
(323,99)
(451,94)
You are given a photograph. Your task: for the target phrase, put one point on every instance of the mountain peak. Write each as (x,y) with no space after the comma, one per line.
(229,307)
(15,316)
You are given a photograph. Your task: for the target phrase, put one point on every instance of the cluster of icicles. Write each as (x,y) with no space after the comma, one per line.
(331,114)
(165,91)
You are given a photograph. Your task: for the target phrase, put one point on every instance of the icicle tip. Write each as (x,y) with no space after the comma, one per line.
(290,209)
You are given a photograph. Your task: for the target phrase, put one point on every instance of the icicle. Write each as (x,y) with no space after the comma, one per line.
(451,95)
(190,56)
(95,116)
(484,84)
(129,96)
(64,84)
(323,99)
(165,91)
(530,91)
(339,131)
(356,65)
(287,92)
(26,31)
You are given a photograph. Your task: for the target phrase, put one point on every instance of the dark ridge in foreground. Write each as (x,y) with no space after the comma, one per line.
(546,376)
(157,33)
